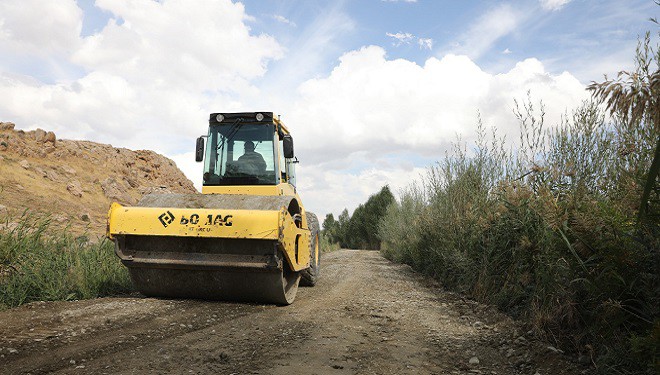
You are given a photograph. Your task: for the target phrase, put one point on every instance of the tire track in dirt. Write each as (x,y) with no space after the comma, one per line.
(366,315)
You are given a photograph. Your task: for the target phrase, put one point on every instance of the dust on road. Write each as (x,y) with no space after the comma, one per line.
(365,316)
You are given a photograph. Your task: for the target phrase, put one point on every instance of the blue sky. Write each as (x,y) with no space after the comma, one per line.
(563,37)
(373,90)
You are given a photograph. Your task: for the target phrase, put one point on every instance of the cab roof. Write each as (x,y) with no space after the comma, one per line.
(251,117)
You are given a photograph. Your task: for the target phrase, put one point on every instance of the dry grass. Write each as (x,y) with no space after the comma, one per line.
(549,233)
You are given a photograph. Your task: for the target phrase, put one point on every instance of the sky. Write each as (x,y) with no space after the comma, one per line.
(373,91)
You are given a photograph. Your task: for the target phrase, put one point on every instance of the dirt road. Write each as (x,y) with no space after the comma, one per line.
(365,316)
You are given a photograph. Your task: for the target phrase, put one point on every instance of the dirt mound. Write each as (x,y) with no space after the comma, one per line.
(75,181)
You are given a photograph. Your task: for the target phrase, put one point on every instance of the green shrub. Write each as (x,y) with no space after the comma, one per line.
(549,232)
(326,245)
(39,265)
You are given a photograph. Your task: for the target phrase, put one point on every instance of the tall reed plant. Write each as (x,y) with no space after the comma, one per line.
(548,230)
(37,264)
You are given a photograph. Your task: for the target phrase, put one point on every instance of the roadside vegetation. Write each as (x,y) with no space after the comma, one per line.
(327,246)
(562,231)
(40,264)
(359,231)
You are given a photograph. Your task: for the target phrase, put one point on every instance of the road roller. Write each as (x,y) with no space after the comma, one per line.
(245,237)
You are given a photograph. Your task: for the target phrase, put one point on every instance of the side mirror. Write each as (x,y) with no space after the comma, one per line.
(287,146)
(199,149)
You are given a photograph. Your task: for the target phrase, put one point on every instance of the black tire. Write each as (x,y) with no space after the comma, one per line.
(310,276)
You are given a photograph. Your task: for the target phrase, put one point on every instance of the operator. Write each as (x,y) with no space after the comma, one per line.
(251,161)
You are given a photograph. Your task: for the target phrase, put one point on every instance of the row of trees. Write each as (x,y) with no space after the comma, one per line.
(359,231)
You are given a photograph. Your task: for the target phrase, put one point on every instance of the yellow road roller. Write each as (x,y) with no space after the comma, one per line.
(246,237)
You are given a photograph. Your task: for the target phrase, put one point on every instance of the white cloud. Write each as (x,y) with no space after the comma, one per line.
(154,72)
(200,46)
(151,77)
(40,28)
(283,20)
(370,109)
(332,191)
(506,51)
(425,43)
(401,38)
(553,4)
(487,29)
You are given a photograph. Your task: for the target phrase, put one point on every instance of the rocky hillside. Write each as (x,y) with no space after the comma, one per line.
(75,181)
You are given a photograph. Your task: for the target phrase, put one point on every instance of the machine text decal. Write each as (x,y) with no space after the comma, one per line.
(209,220)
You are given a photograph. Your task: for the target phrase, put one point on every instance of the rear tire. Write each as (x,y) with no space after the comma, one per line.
(310,276)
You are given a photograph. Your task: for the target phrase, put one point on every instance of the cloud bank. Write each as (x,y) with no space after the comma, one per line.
(151,75)
(374,121)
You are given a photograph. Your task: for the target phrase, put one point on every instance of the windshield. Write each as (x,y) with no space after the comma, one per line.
(240,154)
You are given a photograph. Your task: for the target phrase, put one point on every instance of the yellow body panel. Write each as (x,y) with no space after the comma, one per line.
(198,222)
(281,189)
(295,242)
(213,223)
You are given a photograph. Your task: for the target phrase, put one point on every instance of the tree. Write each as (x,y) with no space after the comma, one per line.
(342,224)
(330,226)
(361,230)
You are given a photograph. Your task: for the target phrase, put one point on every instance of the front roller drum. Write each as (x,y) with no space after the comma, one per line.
(274,286)
(208,268)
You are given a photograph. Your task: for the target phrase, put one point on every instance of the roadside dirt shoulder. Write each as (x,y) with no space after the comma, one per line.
(365,316)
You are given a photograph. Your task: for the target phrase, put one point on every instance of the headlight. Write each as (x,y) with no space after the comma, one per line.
(260,117)
(219,118)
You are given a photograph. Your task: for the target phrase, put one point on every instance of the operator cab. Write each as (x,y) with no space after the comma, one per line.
(246,149)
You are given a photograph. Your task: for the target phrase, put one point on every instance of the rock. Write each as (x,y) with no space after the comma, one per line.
(478,325)
(474,361)
(510,352)
(40,135)
(50,137)
(115,191)
(155,190)
(131,182)
(85,217)
(1,158)
(52,175)
(69,170)
(24,163)
(12,351)
(7,126)
(74,188)
(3,209)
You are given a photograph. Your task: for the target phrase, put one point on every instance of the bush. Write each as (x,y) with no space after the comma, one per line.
(550,232)
(326,245)
(38,265)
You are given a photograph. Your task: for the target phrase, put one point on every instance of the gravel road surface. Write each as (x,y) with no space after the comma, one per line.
(365,316)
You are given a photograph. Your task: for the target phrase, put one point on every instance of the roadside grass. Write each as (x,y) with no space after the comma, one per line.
(40,264)
(549,232)
(326,245)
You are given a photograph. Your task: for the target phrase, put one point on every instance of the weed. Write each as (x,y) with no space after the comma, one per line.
(550,232)
(37,264)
